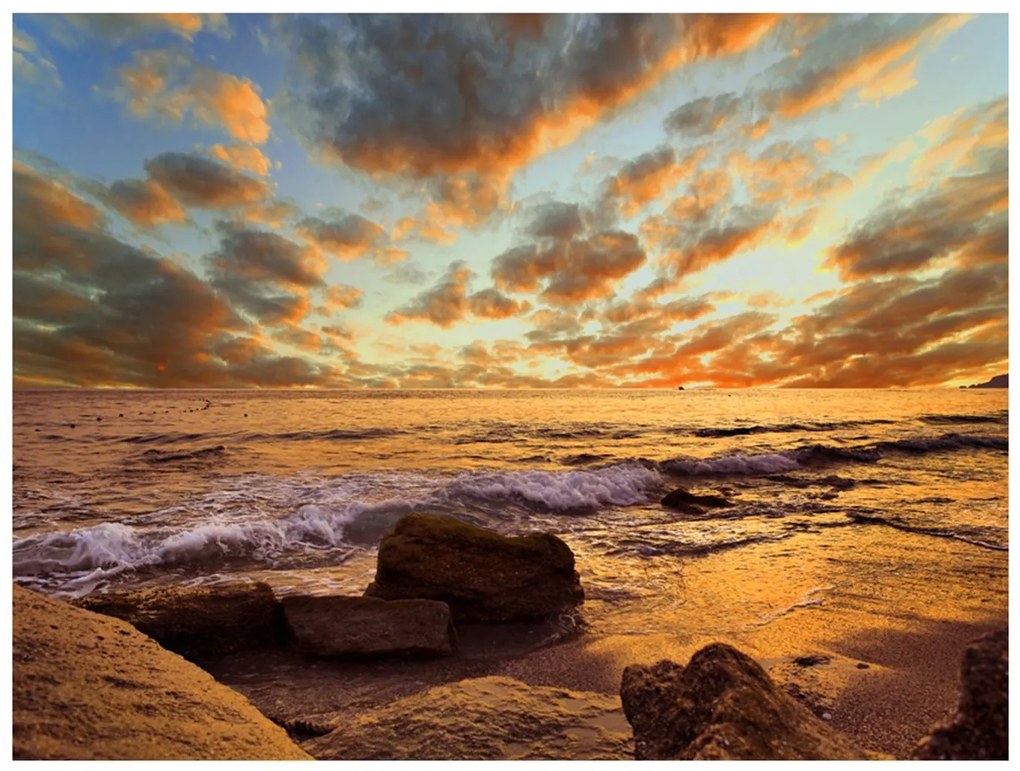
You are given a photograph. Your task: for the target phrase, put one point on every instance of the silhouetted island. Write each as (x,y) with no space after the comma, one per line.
(999,381)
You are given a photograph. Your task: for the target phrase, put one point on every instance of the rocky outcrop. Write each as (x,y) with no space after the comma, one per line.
(692,503)
(487,718)
(195,621)
(89,687)
(480,574)
(368,626)
(722,705)
(999,381)
(980,728)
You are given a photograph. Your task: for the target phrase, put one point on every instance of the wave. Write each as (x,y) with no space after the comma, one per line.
(161,456)
(319,532)
(975,537)
(783,428)
(823,454)
(1001,417)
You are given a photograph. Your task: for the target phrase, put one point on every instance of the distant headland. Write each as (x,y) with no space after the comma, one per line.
(999,381)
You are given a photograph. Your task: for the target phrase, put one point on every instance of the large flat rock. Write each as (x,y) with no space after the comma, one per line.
(198,622)
(486,718)
(368,626)
(90,687)
(481,574)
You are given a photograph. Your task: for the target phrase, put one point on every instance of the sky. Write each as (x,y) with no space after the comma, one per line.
(415,201)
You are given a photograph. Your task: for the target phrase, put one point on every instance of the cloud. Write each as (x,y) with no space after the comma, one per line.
(197,181)
(556,220)
(94,310)
(341,297)
(448,302)
(242,158)
(144,202)
(349,237)
(171,85)
(32,69)
(703,117)
(266,275)
(570,271)
(490,304)
(443,305)
(647,178)
(120,28)
(874,56)
(690,246)
(437,96)
(964,218)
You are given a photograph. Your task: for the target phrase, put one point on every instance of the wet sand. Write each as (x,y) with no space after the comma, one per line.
(866,624)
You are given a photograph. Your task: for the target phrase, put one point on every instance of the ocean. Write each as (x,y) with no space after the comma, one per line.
(124,489)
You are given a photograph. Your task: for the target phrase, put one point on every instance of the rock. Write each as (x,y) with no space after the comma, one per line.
(368,626)
(811,661)
(480,574)
(722,705)
(691,503)
(999,381)
(487,718)
(198,622)
(980,728)
(88,687)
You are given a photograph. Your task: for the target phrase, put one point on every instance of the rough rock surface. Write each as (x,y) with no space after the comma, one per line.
(368,626)
(722,705)
(487,718)
(480,574)
(980,728)
(693,503)
(198,622)
(87,686)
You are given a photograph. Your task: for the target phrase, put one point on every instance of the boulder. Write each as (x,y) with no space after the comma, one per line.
(485,718)
(368,626)
(89,687)
(980,728)
(198,622)
(692,503)
(723,706)
(480,574)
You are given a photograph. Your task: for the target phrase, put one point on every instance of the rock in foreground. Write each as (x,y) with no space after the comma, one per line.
(722,706)
(980,728)
(480,574)
(487,718)
(368,626)
(88,687)
(198,622)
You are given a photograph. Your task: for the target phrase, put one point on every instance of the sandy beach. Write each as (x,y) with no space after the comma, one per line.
(886,659)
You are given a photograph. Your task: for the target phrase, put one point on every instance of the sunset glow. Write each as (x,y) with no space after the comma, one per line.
(394,201)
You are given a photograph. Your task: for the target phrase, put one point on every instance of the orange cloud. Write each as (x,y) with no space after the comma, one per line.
(144,202)
(242,158)
(648,177)
(874,71)
(161,83)
(572,271)
(197,181)
(622,57)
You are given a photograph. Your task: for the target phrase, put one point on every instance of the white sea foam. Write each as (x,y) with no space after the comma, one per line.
(622,484)
(768,463)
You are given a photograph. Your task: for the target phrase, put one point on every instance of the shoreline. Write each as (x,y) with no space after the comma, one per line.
(884,679)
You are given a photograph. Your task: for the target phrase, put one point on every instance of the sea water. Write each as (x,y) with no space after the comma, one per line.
(122,489)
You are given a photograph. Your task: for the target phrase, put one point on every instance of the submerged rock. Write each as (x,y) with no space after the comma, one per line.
(686,501)
(487,718)
(198,622)
(368,626)
(980,728)
(722,705)
(89,687)
(480,574)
